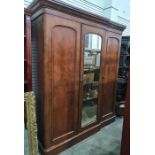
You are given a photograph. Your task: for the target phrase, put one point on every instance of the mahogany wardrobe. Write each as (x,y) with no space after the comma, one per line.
(75,58)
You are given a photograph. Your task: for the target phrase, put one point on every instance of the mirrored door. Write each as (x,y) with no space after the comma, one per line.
(91,74)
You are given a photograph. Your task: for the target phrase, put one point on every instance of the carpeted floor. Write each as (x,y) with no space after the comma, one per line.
(26,148)
(105,142)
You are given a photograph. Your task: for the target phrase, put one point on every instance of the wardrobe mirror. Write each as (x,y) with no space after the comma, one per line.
(91,70)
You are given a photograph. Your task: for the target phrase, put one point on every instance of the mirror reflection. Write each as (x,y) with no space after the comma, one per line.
(93,42)
(92,53)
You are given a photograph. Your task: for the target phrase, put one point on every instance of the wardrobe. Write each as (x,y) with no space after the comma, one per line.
(75,60)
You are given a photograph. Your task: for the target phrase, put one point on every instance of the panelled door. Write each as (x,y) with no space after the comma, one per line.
(92,64)
(61,70)
(112,53)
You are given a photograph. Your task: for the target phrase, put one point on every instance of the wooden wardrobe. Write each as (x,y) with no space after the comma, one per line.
(75,57)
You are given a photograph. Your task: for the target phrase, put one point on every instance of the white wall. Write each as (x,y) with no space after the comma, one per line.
(96,2)
(118,11)
(115,10)
(122,16)
(26,3)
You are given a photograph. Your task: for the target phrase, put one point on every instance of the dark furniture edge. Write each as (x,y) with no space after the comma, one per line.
(27,12)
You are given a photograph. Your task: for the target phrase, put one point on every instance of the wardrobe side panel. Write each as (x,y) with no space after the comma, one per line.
(37,73)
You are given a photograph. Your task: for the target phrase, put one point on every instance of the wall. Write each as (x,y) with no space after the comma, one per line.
(26,3)
(122,15)
(115,10)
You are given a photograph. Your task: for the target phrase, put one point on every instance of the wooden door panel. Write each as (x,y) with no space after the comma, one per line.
(86,29)
(64,49)
(111,71)
(61,77)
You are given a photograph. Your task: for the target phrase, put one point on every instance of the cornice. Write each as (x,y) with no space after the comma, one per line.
(71,10)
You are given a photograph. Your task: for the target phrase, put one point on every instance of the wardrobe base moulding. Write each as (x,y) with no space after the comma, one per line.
(55,149)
